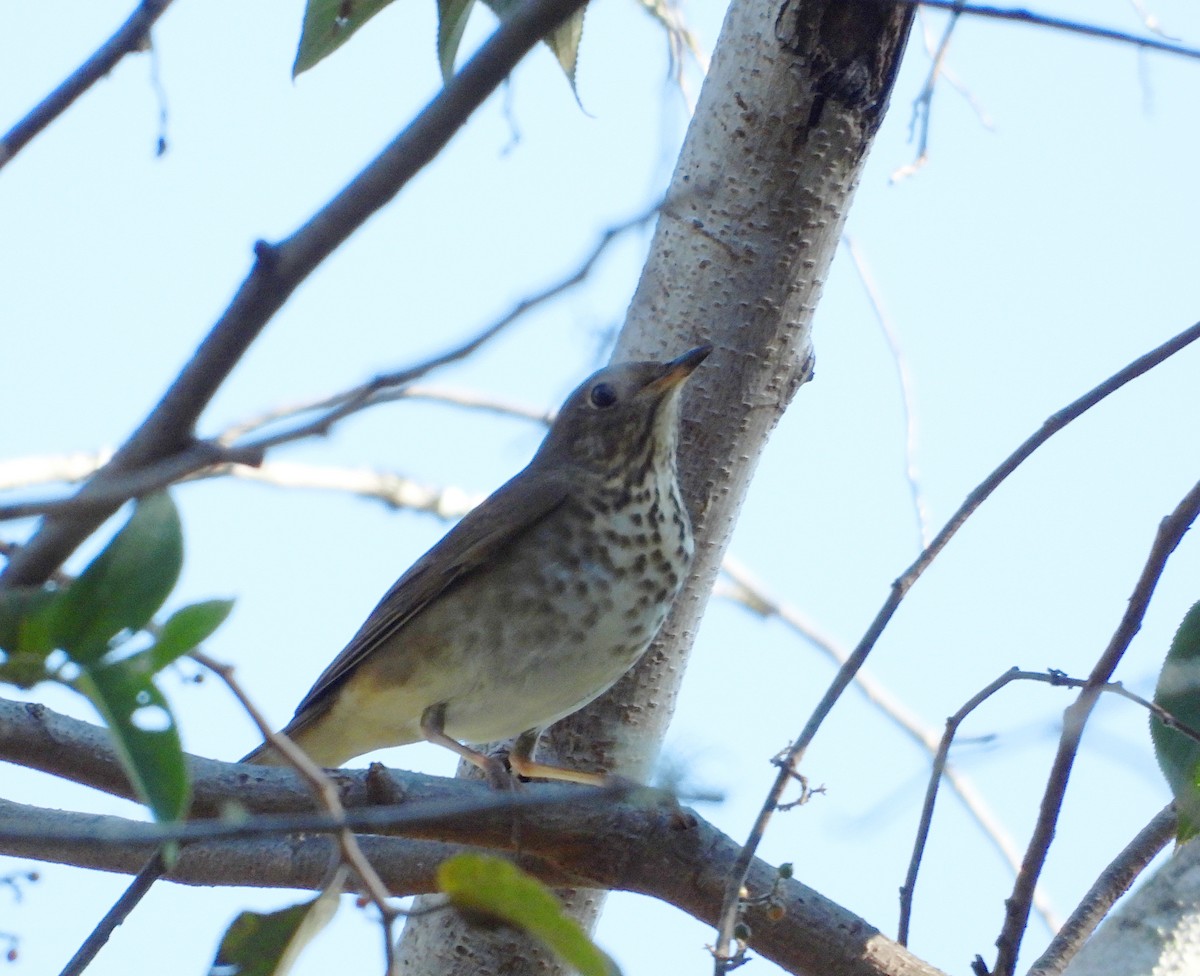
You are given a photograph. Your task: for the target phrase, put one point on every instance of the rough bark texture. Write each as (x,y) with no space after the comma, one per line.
(1156,930)
(753,217)
(565,835)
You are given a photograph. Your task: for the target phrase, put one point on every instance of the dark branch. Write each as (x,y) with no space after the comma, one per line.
(842,680)
(1113,882)
(130,36)
(1022,16)
(1170,531)
(644,845)
(280,269)
(954,722)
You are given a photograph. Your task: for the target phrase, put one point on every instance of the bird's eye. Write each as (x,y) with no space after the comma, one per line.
(603,395)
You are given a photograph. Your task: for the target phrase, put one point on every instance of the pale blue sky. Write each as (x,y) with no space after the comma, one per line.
(1021,266)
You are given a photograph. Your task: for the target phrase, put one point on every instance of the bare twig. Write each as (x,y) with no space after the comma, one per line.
(23,472)
(118,489)
(19,822)
(1150,21)
(907,399)
(41,469)
(209,458)
(750,593)
(391,489)
(351,401)
(845,675)
(1170,532)
(472,400)
(280,269)
(1023,16)
(319,782)
(954,722)
(326,793)
(680,38)
(131,36)
(1112,883)
(923,103)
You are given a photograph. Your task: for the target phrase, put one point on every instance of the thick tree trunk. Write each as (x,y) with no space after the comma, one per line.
(752,220)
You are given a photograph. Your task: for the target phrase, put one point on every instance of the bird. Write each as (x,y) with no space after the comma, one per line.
(534,604)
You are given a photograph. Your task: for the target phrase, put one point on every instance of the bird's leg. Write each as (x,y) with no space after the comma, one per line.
(523,764)
(433,722)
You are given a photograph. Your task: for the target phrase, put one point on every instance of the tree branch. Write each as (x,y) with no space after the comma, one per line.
(1023,16)
(1112,883)
(643,845)
(790,761)
(1170,531)
(279,270)
(131,36)
(751,595)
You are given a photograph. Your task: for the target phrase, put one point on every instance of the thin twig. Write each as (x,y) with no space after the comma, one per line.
(135,483)
(351,401)
(680,38)
(42,469)
(280,269)
(908,400)
(203,457)
(750,594)
(445,503)
(1112,883)
(1170,531)
(954,722)
(1022,16)
(923,104)
(327,793)
(469,399)
(1150,21)
(845,675)
(24,472)
(324,790)
(398,819)
(131,36)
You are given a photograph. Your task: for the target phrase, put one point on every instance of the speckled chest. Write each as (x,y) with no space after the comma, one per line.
(619,559)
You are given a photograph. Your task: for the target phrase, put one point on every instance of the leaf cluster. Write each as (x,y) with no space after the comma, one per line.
(328,24)
(83,633)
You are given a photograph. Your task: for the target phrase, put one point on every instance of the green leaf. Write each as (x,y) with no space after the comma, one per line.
(186,629)
(563,40)
(144,732)
(26,620)
(1178,692)
(452,21)
(258,944)
(328,24)
(497,888)
(125,585)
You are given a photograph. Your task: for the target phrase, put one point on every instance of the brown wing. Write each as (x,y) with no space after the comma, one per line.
(491,527)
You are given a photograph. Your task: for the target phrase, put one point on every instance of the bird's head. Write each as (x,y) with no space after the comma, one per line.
(622,416)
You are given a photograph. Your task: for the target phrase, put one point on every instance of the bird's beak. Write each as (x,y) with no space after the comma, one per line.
(678,370)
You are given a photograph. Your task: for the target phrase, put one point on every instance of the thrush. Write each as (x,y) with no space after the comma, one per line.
(529,608)
(535,603)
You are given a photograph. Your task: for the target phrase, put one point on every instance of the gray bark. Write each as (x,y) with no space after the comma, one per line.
(753,217)
(1155,931)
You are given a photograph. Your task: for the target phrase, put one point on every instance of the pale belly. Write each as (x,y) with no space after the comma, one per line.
(503,660)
